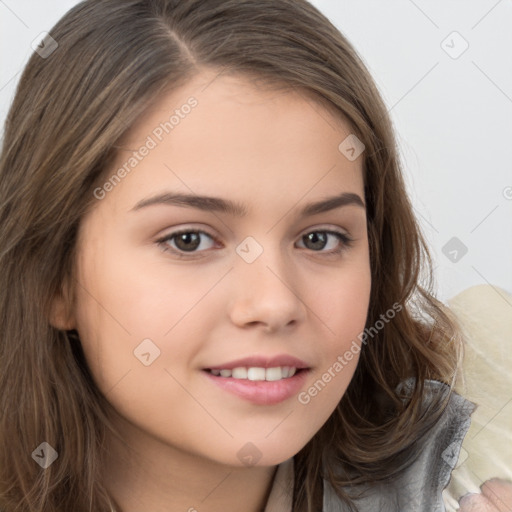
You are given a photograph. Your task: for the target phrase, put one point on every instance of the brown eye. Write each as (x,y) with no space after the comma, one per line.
(186,241)
(317,241)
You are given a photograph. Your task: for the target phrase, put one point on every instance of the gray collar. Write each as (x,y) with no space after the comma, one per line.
(419,488)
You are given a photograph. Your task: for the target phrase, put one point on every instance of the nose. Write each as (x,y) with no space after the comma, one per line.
(264,294)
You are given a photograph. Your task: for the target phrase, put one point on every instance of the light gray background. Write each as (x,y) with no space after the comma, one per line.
(453,116)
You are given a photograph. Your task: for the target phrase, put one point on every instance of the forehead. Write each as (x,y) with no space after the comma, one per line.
(225,134)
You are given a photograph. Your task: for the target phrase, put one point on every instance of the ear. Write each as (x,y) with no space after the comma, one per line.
(61,316)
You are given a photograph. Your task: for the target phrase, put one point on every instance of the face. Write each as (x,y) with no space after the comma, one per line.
(172,290)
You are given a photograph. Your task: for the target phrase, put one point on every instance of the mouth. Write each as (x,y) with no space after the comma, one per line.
(254,373)
(258,385)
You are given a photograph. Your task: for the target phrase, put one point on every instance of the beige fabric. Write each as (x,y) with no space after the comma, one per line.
(485,313)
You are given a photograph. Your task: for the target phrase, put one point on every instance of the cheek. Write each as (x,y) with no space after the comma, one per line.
(122,303)
(151,299)
(343,305)
(343,308)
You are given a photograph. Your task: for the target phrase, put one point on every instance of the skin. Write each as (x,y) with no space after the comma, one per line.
(496,496)
(274,152)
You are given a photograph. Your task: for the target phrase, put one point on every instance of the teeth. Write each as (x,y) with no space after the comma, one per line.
(239,373)
(272,373)
(255,373)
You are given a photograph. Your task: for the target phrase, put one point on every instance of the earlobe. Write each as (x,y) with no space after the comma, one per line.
(61,316)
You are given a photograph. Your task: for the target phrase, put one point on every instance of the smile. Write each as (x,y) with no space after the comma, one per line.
(257,386)
(256,373)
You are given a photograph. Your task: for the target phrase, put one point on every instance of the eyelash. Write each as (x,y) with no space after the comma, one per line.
(346,244)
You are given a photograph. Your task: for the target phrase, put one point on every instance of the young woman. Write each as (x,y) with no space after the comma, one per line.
(212,294)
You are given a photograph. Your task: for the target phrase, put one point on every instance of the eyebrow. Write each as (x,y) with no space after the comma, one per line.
(216,204)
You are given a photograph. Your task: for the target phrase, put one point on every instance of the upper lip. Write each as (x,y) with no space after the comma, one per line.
(261,362)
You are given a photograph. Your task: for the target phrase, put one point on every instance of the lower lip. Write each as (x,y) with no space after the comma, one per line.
(261,392)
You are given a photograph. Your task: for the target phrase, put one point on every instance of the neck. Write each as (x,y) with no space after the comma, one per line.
(147,474)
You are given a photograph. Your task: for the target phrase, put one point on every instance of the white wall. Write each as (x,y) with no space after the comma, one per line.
(454,121)
(453,115)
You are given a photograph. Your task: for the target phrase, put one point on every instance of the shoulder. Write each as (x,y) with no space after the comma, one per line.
(419,487)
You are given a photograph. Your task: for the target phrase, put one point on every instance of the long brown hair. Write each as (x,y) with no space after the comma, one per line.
(114,58)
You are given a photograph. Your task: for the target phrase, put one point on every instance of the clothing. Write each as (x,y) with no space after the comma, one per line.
(483,311)
(419,488)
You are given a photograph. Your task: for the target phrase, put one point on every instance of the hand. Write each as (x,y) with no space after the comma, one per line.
(496,496)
